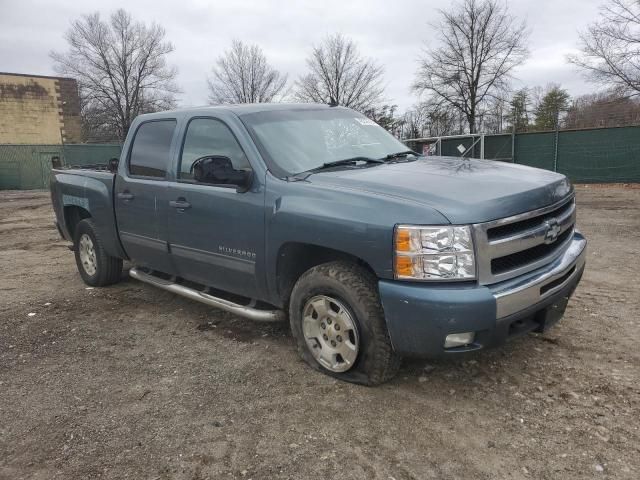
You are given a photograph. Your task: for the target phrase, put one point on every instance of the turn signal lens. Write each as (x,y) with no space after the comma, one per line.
(403,240)
(407,240)
(404,266)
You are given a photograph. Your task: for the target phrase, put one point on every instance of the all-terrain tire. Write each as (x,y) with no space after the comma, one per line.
(357,289)
(103,269)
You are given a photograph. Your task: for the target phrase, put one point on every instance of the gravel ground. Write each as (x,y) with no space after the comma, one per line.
(133,382)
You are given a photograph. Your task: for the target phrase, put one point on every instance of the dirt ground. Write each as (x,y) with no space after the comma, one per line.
(133,382)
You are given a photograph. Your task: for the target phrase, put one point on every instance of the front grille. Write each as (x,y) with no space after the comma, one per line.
(516,245)
(517,260)
(527,224)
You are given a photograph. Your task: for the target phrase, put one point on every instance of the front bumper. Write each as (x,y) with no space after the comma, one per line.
(419,316)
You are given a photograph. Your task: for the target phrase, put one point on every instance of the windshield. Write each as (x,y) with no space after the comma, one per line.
(300,140)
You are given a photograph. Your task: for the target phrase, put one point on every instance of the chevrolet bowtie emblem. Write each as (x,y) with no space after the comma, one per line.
(552,230)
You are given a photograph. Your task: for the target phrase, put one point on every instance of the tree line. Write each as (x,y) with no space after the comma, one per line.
(463,81)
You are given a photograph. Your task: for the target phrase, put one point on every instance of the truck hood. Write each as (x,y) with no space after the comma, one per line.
(464,191)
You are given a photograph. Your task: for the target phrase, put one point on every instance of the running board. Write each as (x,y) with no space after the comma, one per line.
(246,311)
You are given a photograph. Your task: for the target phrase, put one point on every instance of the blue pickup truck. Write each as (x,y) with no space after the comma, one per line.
(316,214)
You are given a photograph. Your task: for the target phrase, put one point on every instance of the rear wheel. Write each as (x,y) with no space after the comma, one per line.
(97,268)
(338,322)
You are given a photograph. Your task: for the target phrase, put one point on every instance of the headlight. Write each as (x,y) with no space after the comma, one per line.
(434,253)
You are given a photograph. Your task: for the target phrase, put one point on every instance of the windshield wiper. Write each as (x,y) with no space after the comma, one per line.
(338,163)
(346,161)
(404,153)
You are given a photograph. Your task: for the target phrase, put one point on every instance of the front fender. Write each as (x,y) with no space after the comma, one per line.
(354,222)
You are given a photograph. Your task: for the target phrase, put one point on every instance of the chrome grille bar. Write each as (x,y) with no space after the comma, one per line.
(533,234)
(530,237)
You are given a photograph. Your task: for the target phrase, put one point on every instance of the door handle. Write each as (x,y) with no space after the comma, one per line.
(180,204)
(126,196)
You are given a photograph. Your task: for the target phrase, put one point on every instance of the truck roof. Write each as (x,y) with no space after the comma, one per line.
(241,109)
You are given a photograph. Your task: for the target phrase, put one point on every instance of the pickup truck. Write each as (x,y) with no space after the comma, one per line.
(316,214)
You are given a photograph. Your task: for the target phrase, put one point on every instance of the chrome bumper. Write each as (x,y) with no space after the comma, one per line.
(530,289)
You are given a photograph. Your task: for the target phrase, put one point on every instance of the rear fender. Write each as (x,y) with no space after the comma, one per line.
(87,195)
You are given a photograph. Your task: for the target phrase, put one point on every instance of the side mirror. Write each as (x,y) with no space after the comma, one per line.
(218,170)
(112,165)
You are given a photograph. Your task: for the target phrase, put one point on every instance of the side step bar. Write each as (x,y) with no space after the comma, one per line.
(246,311)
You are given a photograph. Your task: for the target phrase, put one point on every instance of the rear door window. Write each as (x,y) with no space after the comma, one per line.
(150,153)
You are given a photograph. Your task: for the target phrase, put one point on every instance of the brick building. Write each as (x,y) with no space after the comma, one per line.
(36,109)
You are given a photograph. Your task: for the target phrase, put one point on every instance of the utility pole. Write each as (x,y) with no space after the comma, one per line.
(513,135)
(555,149)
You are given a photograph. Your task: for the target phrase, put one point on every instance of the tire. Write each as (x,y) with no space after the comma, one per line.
(97,268)
(352,294)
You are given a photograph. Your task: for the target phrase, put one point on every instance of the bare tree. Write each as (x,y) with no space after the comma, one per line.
(385,116)
(121,69)
(339,75)
(414,122)
(537,94)
(604,109)
(242,75)
(480,45)
(520,104)
(610,47)
(443,119)
(494,115)
(431,119)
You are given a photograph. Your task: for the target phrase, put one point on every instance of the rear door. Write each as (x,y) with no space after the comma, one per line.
(141,195)
(215,240)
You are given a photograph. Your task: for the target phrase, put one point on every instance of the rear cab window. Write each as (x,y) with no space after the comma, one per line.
(150,154)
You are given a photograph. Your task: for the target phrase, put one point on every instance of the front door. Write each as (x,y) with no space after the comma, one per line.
(215,232)
(141,196)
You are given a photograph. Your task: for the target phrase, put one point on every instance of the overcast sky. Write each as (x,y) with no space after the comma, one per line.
(393,32)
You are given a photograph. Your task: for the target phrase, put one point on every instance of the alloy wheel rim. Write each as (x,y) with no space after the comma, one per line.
(88,255)
(330,332)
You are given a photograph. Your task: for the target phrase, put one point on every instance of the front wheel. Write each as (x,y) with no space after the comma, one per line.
(338,322)
(97,268)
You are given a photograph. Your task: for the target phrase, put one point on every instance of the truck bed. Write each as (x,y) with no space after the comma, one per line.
(99,167)
(86,191)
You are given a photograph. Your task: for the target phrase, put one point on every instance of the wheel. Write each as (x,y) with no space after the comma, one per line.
(338,323)
(97,268)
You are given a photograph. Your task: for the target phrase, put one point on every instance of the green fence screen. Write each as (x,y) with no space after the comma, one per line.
(599,155)
(449,146)
(592,155)
(26,167)
(602,155)
(535,149)
(498,147)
